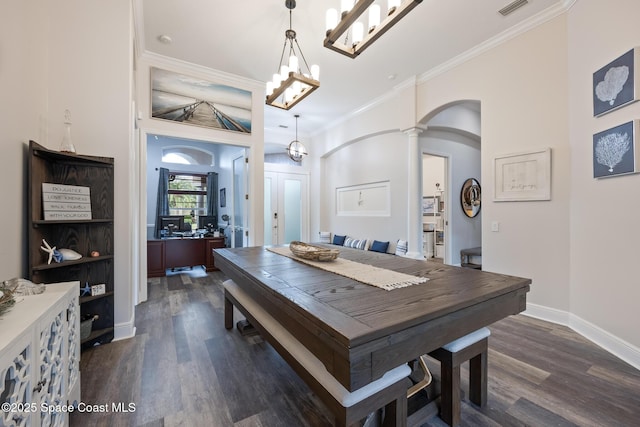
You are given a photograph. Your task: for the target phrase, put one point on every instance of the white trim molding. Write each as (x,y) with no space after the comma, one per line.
(124,330)
(593,333)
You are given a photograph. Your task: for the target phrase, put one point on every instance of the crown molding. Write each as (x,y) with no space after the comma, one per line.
(512,32)
(410,82)
(178,65)
(524,26)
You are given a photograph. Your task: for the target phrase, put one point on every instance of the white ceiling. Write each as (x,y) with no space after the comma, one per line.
(245,38)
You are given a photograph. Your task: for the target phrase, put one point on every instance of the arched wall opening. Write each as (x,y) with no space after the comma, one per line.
(452,132)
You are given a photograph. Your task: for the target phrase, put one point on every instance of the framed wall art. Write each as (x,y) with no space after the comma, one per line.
(223,197)
(371,199)
(523,176)
(615,84)
(199,102)
(615,151)
(430,205)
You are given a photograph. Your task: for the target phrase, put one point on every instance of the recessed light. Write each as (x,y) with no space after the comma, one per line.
(165,39)
(392,76)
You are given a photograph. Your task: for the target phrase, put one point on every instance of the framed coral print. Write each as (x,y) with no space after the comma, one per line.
(615,151)
(615,84)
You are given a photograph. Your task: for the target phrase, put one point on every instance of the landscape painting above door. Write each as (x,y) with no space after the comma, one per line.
(195,101)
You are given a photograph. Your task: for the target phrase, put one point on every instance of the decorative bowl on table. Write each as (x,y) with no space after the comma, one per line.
(313,252)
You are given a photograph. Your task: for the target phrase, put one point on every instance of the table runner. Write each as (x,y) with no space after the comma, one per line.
(364,273)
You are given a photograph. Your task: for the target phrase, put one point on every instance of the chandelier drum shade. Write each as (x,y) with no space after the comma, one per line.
(357,39)
(296,150)
(294,79)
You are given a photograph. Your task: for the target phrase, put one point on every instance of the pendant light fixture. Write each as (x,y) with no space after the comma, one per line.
(295,149)
(294,80)
(360,39)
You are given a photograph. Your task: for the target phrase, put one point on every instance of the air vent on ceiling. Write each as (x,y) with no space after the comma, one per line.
(517,4)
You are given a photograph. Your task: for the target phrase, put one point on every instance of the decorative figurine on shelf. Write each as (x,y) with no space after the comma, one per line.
(85,290)
(59,255)
(66,146)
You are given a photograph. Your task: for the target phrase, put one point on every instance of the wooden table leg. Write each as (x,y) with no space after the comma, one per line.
(478,379)
(450,394)
(228,314)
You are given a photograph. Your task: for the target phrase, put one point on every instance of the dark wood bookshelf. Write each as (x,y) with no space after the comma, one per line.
(83,236)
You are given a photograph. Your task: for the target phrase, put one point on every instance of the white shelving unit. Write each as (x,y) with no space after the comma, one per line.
(438,214)
(434,230)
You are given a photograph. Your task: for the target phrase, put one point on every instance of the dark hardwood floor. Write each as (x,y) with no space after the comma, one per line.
(184,369)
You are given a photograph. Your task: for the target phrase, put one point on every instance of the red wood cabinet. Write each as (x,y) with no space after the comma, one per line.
(155,258)
(187,252)
(211,244)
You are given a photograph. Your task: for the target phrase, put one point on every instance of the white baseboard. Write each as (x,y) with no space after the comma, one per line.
(597,335)
(124,330)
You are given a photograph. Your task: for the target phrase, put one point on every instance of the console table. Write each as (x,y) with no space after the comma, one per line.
(40,357)
(181,252)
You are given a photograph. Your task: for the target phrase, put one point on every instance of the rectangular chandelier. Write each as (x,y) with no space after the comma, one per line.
(292,90)
(290,84)
(359,41)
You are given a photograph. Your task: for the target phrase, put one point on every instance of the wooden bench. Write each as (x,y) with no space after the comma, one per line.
(389,391)
(472,347)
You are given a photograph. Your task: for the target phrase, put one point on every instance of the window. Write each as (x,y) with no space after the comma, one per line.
(188,197)
(187,156)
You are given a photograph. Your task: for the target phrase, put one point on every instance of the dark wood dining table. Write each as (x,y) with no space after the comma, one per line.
(360,331)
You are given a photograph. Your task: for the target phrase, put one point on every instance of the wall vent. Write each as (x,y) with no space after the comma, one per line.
(511,7)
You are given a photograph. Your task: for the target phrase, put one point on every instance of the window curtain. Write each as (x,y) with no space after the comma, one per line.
(162,204)
(212,194)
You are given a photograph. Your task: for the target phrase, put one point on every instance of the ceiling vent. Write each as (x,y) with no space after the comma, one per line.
(513,6)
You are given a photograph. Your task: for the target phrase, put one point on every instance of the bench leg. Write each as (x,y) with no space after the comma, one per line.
(450,393)
(478,379)
(228,314)
(395,412)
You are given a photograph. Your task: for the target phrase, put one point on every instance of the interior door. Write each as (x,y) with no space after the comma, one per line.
(286,207)
(270,208)
(239,231)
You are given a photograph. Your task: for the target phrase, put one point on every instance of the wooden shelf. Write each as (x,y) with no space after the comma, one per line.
(96,334)
(89,298)
(71,158)
(68,222)
(83,260)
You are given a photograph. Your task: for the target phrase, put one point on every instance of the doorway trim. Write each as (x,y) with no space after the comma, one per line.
(447,197)
(139,192)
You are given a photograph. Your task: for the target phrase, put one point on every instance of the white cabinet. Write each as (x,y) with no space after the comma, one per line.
(40,357)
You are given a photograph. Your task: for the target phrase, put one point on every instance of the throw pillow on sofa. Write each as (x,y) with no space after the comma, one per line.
(377,246)
(355,243)
(402,247)
(338,240)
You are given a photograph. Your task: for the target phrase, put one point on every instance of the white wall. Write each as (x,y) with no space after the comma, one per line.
(370,160)
(605,285)
(57,57)
(90,74)
(23,116)
(521,85)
